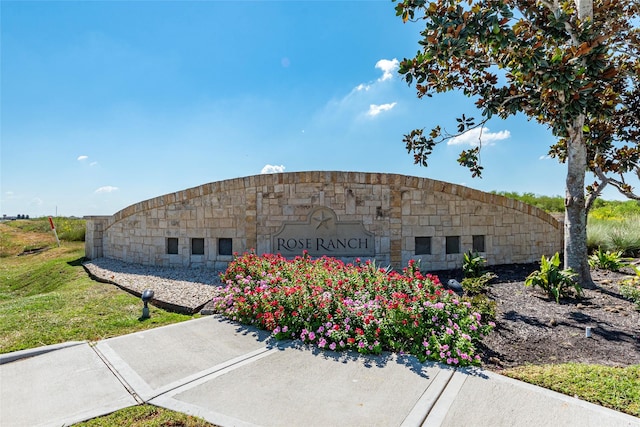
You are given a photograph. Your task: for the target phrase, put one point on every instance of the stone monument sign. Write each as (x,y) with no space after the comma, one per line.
(389,218)
(322,234)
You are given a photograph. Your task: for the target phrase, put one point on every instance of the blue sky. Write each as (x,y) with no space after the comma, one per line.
(105,104)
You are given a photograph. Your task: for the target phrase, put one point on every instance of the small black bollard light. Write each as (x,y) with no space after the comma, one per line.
(455,286)
(147,296)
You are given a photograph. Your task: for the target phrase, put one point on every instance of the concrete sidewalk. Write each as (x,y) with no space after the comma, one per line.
(232,375)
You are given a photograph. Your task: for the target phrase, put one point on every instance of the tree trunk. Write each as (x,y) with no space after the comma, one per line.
(575,218)
(575,224)
(585,9)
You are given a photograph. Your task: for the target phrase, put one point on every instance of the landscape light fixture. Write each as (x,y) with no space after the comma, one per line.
(147,296)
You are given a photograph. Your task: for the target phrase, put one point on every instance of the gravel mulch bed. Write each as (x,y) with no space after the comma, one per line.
(179,289)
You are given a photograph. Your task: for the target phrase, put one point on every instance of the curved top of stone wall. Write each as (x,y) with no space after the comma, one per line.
(394,180)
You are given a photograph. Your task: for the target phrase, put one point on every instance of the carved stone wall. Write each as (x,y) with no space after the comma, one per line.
(387,217)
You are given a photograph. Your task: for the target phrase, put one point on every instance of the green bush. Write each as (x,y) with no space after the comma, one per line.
(477,285)
(475,289)
(615,210)
(483,305)
(546,203)
(473,264)
(555,282)
(607,260)
(70,229)
(630,288)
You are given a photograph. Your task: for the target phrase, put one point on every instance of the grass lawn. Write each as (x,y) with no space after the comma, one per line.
(47,298)
(612,387)
(146,416)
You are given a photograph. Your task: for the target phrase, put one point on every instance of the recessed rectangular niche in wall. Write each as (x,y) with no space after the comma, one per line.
(478,244)
(172,245)
(225,246)
(197,246)
(423,245)
(453,244)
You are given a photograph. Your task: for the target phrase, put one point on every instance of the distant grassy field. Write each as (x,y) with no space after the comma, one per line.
(27,234)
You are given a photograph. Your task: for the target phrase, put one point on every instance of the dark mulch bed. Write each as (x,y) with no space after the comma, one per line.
(532,329)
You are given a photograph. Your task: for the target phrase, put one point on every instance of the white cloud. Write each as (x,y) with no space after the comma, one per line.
(93,163)
(374,109)
(363,102)
(388,67)
(81,158)
(36,201)
(106,189)
(545,157)
(272,169)
(473,137)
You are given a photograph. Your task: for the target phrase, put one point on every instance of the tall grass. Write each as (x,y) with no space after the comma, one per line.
(615,234)
(68,229)
(613,225)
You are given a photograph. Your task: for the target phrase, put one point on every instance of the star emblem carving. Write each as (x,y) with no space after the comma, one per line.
(323,220)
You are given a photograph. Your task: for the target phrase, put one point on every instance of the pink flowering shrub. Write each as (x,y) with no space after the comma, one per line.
(341,306)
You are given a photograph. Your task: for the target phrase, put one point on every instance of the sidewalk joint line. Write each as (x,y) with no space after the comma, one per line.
(426,400)
(113,370)
(208,374)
